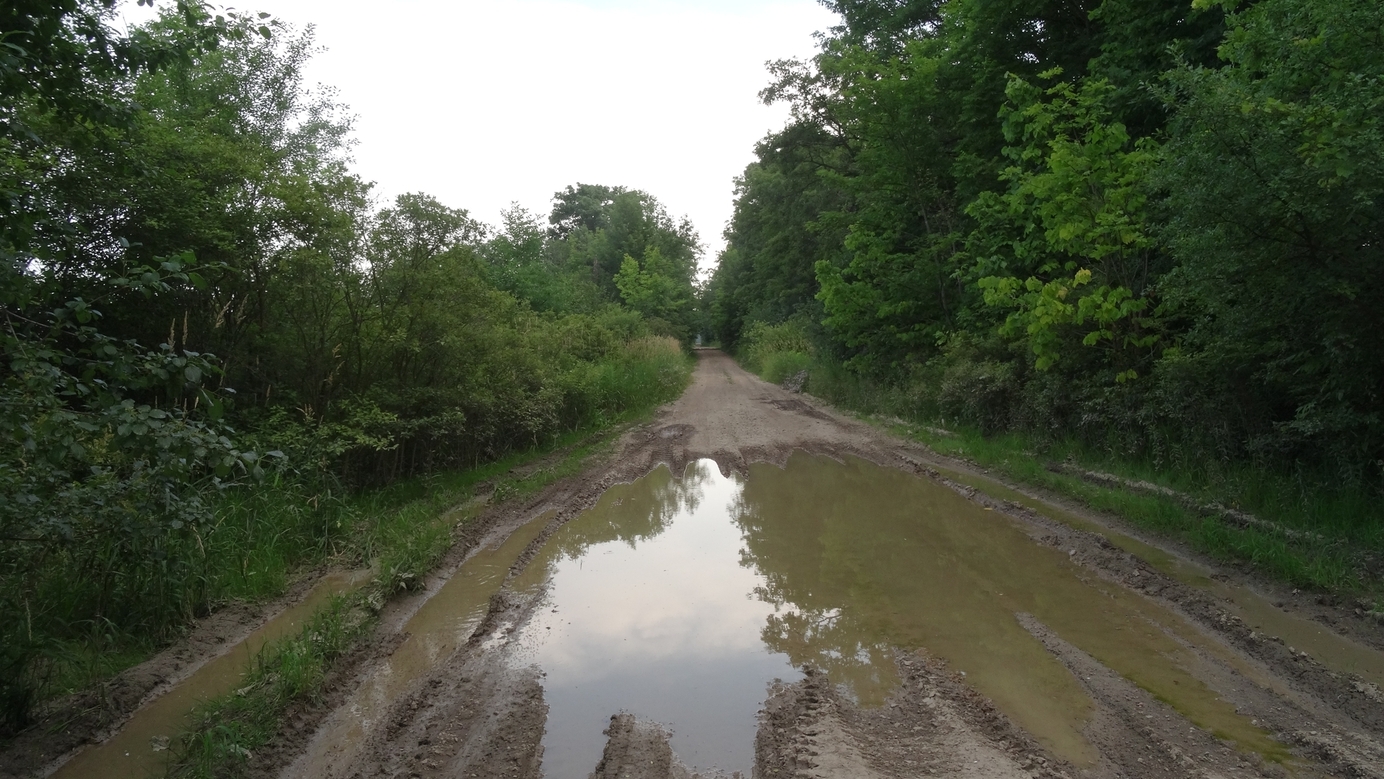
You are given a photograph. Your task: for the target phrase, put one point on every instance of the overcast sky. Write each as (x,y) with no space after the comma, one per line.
(486,103)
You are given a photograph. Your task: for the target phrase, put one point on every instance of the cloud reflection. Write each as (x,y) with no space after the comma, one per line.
(650,610)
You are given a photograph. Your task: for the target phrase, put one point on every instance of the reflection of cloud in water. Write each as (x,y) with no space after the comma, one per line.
(655,614)
(682,595)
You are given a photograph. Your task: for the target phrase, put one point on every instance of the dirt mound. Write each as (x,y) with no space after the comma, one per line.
(636,749)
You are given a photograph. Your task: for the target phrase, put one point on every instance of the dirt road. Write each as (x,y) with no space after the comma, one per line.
(434,698)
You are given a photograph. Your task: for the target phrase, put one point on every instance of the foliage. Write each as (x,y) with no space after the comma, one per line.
(1275,194)
(214,337)
(1146,227)
(770,350)
(1073,217)
(520,260)
(114,453)
(594,228)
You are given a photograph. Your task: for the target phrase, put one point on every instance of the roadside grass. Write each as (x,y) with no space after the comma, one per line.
(1334,536)
(227,729)
(79,663)
(1331,563)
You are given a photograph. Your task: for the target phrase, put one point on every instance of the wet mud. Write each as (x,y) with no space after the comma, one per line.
(811,597)
(1326,634)
(442,623)
(139,746)
(933,724)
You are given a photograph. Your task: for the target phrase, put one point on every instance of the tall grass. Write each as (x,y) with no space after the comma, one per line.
(776,352)
(649,371)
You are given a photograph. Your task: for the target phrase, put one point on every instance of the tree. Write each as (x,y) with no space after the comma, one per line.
(653,286)
(600,226)
(521,262)
(1275,181)
(581,207)
(1068,245)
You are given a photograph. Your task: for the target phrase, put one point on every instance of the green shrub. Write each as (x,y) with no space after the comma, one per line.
(778,366)
(761,341)
(979,393)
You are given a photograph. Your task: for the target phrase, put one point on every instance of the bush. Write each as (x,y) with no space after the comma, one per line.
(981,393)
(761,344)
(648,371)
(779,366)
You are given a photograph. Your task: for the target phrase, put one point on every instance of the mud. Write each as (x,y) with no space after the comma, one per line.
(1343,639)
(135,714)
(911,706)
(933,724)
(140,747)
(441,624)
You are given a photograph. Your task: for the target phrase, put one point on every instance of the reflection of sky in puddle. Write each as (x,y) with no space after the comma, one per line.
(650,611)
(678,600)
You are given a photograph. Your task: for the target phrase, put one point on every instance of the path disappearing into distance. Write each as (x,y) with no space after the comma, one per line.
(753,583)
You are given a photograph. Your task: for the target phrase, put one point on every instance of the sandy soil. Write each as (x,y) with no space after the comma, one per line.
(474,715)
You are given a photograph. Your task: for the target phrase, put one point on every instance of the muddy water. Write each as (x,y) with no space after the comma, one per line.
(650,609)
(1327,647)
(140,748)
(440,625)
(678,600)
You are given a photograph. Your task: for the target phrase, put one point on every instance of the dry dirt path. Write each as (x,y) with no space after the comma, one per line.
(456,705)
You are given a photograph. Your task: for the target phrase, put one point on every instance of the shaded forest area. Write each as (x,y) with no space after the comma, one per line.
(215,339)
(1141,234)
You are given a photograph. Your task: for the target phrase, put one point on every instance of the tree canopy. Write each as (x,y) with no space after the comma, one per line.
(1148,216)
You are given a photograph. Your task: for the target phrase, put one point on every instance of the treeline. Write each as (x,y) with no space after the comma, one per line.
(1154,226)
(212,330)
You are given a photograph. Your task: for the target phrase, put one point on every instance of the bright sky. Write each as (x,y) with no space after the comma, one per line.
(486,103)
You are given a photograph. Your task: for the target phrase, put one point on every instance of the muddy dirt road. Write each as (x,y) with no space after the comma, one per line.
(799,594)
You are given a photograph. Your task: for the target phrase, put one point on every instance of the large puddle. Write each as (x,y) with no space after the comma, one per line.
(1327,647)
(652,610)
(680,600)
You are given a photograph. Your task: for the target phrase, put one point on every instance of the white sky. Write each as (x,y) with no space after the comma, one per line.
(486,103)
